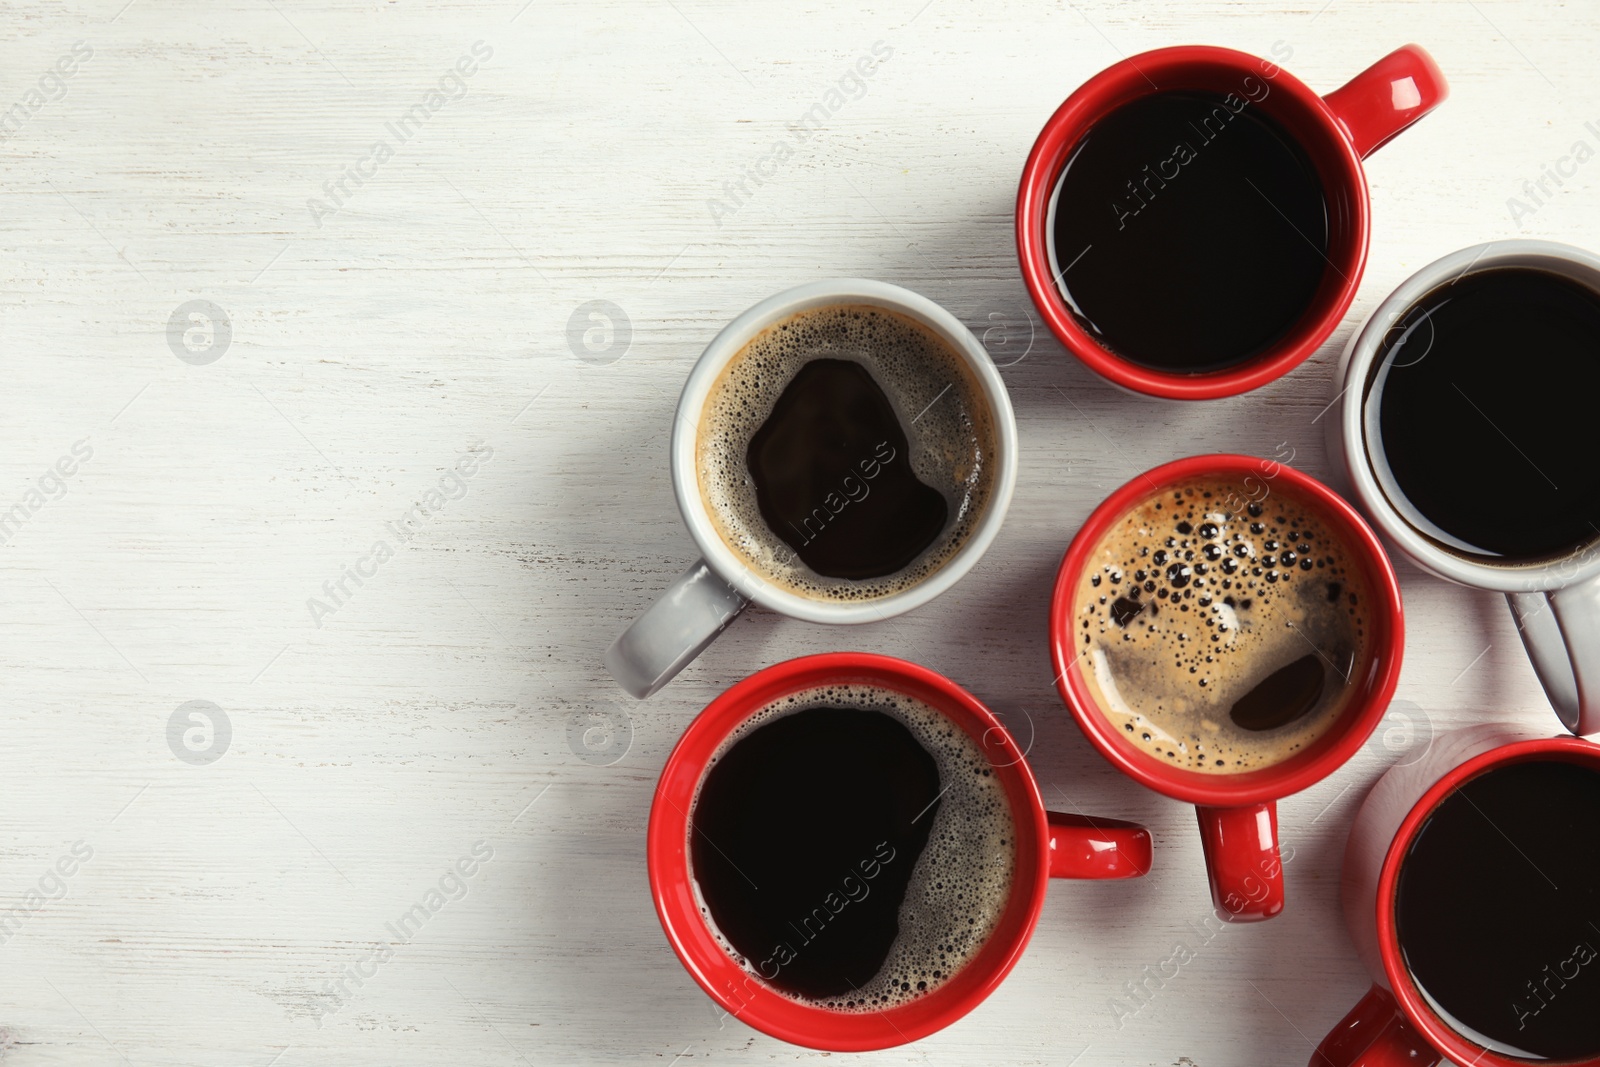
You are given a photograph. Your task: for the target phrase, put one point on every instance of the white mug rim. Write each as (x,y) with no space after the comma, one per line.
(1362,348)
(731,340)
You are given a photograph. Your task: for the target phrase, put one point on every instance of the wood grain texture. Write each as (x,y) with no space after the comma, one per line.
(374,345)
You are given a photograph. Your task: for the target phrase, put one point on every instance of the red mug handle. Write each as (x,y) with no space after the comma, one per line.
(1081,847)
(1242,861)
(1387,97)
(1374,1034)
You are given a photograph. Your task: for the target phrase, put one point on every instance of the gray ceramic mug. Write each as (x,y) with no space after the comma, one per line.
(707,596)
(1556,602)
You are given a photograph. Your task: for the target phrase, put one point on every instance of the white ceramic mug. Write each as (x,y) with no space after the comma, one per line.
(1395,1023)
(696,608)
(1556,602)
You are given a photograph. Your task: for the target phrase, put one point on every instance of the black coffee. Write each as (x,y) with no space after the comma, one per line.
(840,791)
(1498,910)
(833,429)
(852,847)
(1190,230)
(1484,396)
(846,452)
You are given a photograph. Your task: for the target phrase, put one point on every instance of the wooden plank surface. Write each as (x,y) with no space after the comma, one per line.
(383,330)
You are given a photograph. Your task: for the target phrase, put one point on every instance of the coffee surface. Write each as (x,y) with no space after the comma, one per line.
(852,847)
(1480,404)
(1220,633)
(1497,910)
(1189,231)
(830,415)
(822,446)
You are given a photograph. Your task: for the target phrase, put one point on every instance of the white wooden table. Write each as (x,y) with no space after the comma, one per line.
(390,314)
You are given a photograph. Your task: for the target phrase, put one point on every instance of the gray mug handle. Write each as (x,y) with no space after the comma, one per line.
(1561,631)
(673,631)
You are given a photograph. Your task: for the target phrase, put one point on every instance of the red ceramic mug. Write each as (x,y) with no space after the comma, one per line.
(1049,845)
(1394,1024)
(1237,812)
(1336,132)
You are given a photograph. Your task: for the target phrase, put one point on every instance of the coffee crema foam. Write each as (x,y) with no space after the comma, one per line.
(937,399)
(962,880)
(1186,605)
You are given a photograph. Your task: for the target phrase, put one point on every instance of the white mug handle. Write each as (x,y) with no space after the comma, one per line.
(1561,631)
(673,631)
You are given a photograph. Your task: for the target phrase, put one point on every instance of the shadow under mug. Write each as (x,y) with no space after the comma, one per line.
(1394,1024)
(1237,812)
(1336,132)
(1556,602)
(707,596)
(1049,845)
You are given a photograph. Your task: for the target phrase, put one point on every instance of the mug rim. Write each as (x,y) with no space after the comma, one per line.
(710,965)
(1357,452)
(1386,620)
(1067,126)
(731,340)
(1440,1034)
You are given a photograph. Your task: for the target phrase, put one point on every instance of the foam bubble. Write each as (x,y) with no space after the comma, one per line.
(1193,598)
(936,397)
(962,880)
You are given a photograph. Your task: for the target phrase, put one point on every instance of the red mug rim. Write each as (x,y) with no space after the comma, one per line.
(1356,723)
(741,993)
(1440,1034)
(1338,165)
